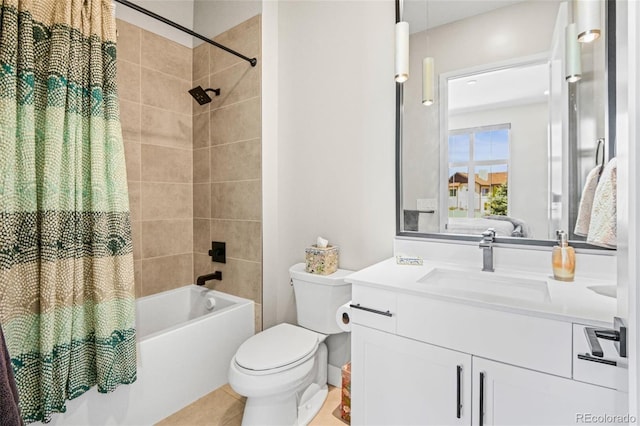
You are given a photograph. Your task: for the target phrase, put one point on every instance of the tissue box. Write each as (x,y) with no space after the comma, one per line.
(345,404)
(323,261)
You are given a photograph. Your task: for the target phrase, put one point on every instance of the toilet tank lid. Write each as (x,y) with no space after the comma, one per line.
(298,272)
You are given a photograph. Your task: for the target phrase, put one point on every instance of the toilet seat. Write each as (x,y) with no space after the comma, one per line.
(278,348)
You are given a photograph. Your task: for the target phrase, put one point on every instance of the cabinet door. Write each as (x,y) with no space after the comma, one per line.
(517,396)
(399,381)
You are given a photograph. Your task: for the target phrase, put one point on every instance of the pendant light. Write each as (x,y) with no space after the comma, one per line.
(572,60)
(428,68)
(588,20)
(402,51)
(428,81)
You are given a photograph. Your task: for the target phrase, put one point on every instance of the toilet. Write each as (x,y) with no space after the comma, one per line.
(283,370)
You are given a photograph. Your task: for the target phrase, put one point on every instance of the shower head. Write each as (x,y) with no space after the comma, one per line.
(200,94)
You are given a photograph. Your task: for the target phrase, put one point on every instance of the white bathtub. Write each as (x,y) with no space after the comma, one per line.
(184,352)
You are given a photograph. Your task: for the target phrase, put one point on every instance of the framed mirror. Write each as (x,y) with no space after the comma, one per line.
(502,140)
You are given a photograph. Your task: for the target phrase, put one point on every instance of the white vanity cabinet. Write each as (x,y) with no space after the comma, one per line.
(418,360)
(400,381)
(509,395)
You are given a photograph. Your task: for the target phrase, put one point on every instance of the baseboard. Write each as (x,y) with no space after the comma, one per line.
(334,376)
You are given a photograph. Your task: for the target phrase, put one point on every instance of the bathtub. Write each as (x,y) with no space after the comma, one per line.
(184,352)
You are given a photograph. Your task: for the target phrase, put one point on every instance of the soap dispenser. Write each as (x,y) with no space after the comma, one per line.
(563,258)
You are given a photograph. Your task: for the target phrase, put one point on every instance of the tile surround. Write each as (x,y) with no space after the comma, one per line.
(236,161)
(128,42)
(202,200)
(157,134)
(132,154)
(244,37)
(128,81)
(165,128)
(180,156)
(164,55)
(162,164)
(201,61)
(227,163)
(165,91)
(167,201)
(239,200)
(130,120)
(166,237)
(236,122)
(166,272)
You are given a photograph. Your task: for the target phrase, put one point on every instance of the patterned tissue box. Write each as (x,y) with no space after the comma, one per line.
(321,260)
(345,404)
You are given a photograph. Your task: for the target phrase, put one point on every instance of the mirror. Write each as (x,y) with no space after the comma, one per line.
(507,142)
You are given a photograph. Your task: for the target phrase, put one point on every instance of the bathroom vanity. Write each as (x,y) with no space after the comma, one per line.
(442,344)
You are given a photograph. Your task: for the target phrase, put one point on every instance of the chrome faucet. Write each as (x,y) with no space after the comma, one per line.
(486,244)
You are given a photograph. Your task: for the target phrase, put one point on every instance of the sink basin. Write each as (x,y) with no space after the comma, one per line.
(486,286)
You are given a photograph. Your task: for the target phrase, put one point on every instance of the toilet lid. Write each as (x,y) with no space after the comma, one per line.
(276,347)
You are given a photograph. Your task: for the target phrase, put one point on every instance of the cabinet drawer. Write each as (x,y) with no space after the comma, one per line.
(597,373)
(375,308)
(537,343)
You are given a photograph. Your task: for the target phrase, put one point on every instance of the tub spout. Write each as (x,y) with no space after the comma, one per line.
(204,278)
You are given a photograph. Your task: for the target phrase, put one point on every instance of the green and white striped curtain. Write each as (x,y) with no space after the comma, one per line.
(66,266)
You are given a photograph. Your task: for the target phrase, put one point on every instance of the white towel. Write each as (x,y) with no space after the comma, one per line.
(602,229)
(586,203)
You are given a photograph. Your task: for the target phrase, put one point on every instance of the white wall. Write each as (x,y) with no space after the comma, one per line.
(213,17)
(328,163)
(528,161)
(628,208)
(179,11)
(207,17)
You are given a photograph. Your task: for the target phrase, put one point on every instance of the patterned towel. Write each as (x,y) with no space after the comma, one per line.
(9,412)
(586,202)
(602,229)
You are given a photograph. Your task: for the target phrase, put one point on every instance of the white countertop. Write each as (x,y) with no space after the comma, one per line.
(567,301)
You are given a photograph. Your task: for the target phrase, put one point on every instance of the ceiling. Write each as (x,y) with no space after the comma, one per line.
(423,14)
(499,88)
(493,89)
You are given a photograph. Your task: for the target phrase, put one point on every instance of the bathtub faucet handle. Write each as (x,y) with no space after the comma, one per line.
(204,278)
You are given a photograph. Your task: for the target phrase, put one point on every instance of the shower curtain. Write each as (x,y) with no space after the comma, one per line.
(66,265)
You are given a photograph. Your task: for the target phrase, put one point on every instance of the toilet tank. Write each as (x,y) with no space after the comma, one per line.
(318,298)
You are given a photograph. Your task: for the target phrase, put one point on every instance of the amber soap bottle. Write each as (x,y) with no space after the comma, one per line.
(563,259)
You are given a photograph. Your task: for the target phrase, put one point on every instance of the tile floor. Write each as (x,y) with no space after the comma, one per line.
(224,407)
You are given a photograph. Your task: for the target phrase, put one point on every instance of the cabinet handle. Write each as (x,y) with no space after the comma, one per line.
(587,357)
(458,402)
(374,311)
(481,409)
(592,339)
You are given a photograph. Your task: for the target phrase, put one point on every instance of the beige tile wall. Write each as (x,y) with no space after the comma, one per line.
(154,75)
(227,189)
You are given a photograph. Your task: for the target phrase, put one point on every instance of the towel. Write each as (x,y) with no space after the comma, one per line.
(586,202)
(477,225)
(9,412)
(411,220)
(602,228)
(520,227)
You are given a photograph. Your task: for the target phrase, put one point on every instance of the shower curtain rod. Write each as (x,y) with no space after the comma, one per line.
(252,61)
